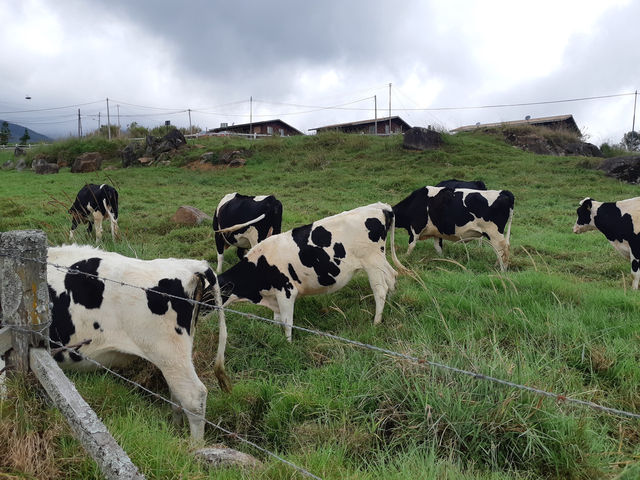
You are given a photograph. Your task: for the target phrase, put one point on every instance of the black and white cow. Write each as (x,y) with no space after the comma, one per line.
(454,183)
(242,221)
(122,321)
(93,204)
(460,214)
(313,259)
(619,222)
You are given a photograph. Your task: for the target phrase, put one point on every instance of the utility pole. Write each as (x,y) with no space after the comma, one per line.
(635,100)
(108,120)
(79,125)
(190,129)
(118,107)
(389,108)
(251,114)
(375,109)
(99,126)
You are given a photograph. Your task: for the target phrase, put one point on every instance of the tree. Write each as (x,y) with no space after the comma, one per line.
(25,137)
(4,133)
(631,141)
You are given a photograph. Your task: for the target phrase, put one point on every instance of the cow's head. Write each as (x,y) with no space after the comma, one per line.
(584,222)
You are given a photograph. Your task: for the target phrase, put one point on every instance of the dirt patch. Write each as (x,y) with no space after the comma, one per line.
(203,167)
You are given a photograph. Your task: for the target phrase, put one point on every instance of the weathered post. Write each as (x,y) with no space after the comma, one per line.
(23,293)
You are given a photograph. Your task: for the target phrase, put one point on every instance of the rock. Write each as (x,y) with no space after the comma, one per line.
(419,138)
(583,149)
(207,157)
(221,456)
(237,162)
(625,168)
(131,153)
(41,165)
(21,165)
(228,156)
(87,162)
(187,215)
(8,165)
(19,152)
(145,160)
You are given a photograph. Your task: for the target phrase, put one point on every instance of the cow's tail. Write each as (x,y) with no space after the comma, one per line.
(218,366)
(392,238)
(233,228)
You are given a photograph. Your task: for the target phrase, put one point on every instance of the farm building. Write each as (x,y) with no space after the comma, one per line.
(398,125)
(266,127)
(558,122)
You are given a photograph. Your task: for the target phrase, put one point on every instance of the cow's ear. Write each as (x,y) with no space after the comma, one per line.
(587,203)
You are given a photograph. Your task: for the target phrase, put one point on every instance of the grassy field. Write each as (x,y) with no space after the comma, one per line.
(561,319)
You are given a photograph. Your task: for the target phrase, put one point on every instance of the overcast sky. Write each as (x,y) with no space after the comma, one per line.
(317,63)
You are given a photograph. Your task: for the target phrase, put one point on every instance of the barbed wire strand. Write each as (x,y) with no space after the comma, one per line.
(414,359)
(227,432)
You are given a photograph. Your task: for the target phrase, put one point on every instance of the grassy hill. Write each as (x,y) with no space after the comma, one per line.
(562,319)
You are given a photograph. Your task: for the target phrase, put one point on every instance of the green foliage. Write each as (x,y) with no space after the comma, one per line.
(561,319)
(631,141)
(609,151)
(161,130)
(4,133)
(25,137)
(137,131)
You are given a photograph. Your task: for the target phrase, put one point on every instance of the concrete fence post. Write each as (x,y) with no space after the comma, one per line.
(24,295)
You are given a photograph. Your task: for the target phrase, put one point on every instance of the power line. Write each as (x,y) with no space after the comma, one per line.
(52,108)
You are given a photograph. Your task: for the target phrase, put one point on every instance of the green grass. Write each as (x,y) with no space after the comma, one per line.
(561,319)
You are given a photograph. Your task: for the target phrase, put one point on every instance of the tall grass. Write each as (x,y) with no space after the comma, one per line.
(561,319)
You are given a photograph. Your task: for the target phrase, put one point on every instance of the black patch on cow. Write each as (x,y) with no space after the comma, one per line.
(321,236)
(61,327)
(178,330)
(584,212)
(377,230)
(338,252)
(293,274)
(247,279)
(315,257)
(412,212)
(85,289)
(635,265)
(453,183)
(96,325)
(617,227)
(159,304)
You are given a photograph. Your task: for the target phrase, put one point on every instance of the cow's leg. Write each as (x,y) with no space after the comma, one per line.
(188,391)
(437,244)
(382,278)
(220,244)
(501,246)
(74,225)
(635,270)
(413,239)
(285,306)
(97,220)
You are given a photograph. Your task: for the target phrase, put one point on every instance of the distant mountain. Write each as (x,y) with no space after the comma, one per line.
(18,130)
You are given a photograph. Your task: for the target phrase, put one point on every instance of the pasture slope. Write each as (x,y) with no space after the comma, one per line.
(562,319)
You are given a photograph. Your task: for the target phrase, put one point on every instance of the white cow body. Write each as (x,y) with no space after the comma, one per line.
(123,322)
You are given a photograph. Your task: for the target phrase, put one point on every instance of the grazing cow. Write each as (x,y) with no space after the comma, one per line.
(619,222)
(90,302)
(453,183)
(92,205)
(460,214)
(313,259)
(242,221)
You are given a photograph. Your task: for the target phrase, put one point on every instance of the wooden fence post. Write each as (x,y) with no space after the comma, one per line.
(23,292)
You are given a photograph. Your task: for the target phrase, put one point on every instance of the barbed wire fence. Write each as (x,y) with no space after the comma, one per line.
(420,361)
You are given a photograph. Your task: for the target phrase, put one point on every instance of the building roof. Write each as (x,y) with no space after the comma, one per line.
(247,125)
(531,121)
(363,122)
